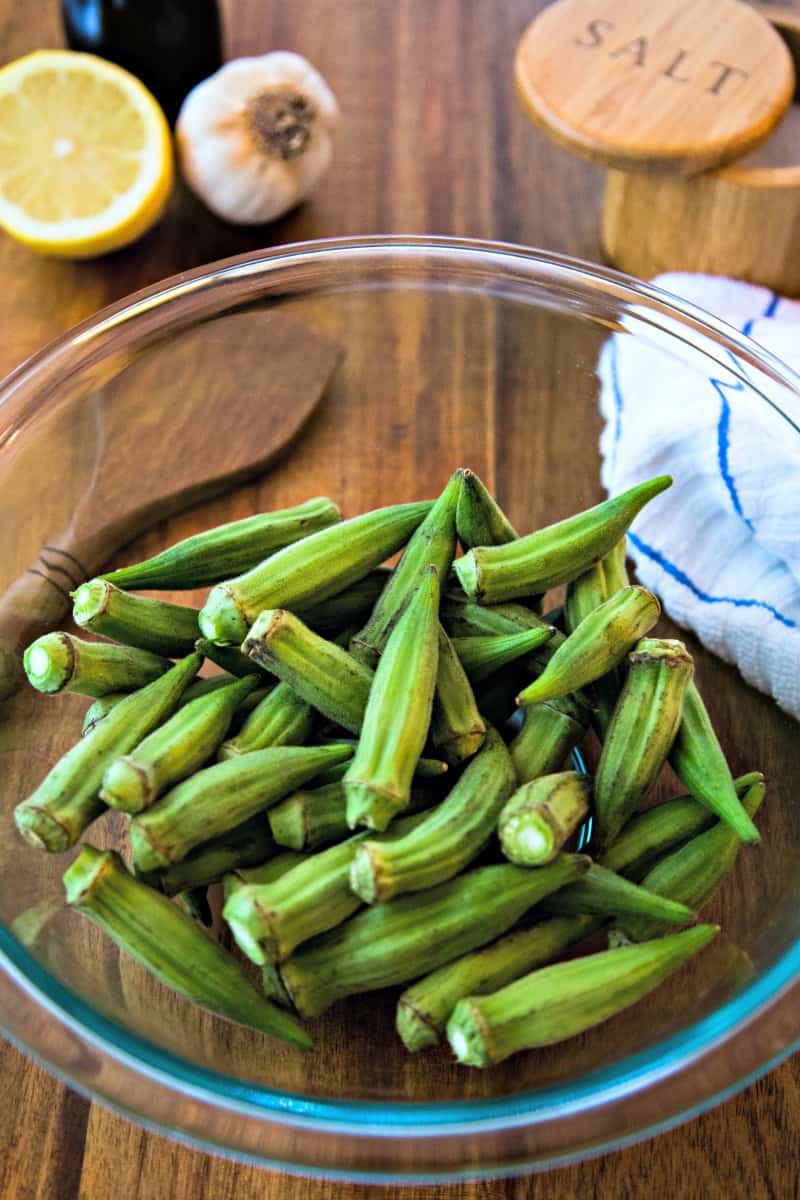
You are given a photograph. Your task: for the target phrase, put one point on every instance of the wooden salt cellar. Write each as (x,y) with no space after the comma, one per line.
(670,97)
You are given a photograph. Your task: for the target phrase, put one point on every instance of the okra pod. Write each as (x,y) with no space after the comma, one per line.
(697,759)
(464,618)
(231,659)
(248,845)
(308,819)
(482,656)
(102,706)
(269,920)
(556,554)
(59,662)
(174,750)
(449,837)
(324,674)
(155,625)
(426,768)
(221,797)
(281,719)
(651,834)
(692,874)
(614,567)
(549,733)
(562,1000)
(642,730)
(457,728)
(433,543)
(599,644)
(67,800)
(263,872)
(605,894)
(171,945)
(585,593)
(542,815)
(424,1009)
(310,571)
(480,521)
(388,944)
(217,554)
(348,608)
(398,714)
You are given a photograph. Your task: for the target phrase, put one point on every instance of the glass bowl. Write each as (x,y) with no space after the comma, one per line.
(455,353)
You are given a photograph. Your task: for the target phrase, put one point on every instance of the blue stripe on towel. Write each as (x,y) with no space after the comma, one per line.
(724,423)
(681,577)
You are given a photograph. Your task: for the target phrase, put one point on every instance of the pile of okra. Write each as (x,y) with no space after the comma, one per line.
(381,775)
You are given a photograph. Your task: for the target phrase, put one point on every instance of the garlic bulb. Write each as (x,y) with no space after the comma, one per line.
(256,136)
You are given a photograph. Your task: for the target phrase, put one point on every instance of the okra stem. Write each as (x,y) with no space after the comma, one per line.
(155,625)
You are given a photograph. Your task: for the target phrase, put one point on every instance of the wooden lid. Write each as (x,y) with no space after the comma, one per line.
(678,86)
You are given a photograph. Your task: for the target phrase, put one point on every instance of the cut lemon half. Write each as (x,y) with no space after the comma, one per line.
(85,154)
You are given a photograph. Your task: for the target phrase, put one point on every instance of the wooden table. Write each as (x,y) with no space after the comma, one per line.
(432,142)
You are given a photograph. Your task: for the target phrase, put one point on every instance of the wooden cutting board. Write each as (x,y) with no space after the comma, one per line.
(226,425)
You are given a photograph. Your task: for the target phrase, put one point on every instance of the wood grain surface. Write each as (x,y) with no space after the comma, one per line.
(432,142)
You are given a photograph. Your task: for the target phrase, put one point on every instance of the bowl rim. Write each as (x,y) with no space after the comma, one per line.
(391,1118)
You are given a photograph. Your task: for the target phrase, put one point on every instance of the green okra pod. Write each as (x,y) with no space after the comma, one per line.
(650,834)
(324,674)
(585,593)
(692,874)
(348,608)
(155,625)
(564,999)
(398,714)
(216,554)
(457,728)
(599,644)
(67,800)
(310,571)
(556,554)
(231,659)
(311,818)
(171,945)
(247,845)
(388,944)
(449,837)
(614,568)
(697,759)
(103,705)
(174,750)
(263,872)
(433,543)
(269,920)
(462,617)
(549,733)
(281,719)
(482,656)
(221,797)
(642,729)
(605,894)
(59,662)
(424,1009)
(542,815)
(480,521)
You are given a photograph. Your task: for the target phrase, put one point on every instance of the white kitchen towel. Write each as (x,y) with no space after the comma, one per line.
(721,547)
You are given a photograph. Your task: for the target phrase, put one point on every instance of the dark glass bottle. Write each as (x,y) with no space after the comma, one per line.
(169,44)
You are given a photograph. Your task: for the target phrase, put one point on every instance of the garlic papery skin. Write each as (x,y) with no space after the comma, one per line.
(257,136)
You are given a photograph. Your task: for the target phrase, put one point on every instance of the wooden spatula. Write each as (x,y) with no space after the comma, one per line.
(190,417)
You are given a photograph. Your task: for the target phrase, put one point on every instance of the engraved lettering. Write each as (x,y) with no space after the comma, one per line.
(637,48)
(726,72)
(595,32)
(671,71)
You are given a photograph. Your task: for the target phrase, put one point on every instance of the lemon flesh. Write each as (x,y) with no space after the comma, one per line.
(85,154)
